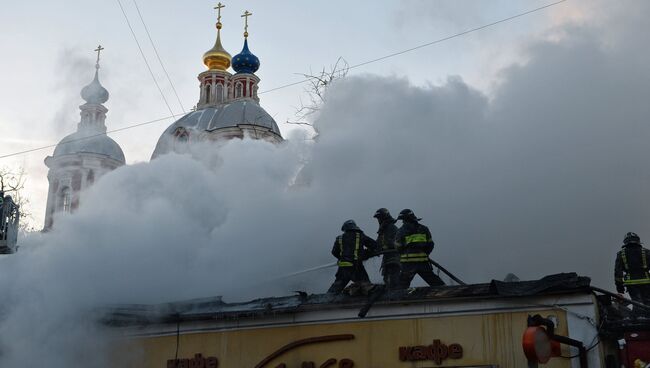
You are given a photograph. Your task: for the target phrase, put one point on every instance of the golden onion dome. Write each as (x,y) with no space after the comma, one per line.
(217,57)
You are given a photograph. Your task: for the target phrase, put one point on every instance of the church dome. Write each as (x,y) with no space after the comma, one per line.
(85,142)
(245,61)
(95,93)
(244,112)
(217,58)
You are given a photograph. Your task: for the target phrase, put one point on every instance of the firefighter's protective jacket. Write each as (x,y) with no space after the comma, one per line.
(414,242)
(386,242)
(352,247)
(631,266)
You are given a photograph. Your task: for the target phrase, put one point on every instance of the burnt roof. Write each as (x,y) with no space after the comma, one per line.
(616,318)
(216,308)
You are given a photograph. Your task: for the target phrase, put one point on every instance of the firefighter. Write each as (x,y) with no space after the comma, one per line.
(414,244)
(390,267)
(631,270)
(351,248)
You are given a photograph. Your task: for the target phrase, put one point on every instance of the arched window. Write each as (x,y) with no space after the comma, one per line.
(219,93)
(207,93)
(90,179)
(238,90)
(65,200)
(181,138)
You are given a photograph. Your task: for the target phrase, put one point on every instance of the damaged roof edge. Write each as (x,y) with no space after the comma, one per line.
(216,308)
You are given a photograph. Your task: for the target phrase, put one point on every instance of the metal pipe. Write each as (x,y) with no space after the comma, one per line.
(582,351)
(444,270)
(622,298)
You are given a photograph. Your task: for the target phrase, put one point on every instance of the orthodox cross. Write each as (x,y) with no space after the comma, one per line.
(98,50)
(245,16)
(218,8)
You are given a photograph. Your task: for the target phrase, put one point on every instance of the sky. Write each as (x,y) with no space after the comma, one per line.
(52,58)
(523,149)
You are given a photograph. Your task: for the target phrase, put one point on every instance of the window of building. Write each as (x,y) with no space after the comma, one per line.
(65,200)
(181,138)
(219,92)
(239,90)
(207,93)
(90,179)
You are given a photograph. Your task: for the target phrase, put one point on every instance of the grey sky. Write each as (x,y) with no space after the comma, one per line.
(51,57)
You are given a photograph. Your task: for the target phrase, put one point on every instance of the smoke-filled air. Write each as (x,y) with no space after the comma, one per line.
(543,175)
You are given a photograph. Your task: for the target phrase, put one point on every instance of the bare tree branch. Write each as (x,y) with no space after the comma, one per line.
(12,182)
(316,90)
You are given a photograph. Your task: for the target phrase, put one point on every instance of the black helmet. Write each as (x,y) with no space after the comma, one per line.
(407,215)
(350,225)
(382,213)
(631,238)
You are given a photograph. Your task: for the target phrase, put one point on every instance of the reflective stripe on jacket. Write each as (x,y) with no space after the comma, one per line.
(632,266)
(351,246)
(342,263)
(414,243)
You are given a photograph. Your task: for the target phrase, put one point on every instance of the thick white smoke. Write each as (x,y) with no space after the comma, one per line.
(544,176)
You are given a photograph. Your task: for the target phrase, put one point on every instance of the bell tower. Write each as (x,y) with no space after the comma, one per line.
(82,157)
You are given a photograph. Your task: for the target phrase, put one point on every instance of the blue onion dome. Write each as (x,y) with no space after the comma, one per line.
(245,61)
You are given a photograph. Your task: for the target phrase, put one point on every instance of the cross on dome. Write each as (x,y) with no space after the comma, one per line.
(98,50)
(217,58)
(218,9)
(245,16)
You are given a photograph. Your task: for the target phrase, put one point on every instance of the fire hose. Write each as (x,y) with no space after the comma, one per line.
(332,264)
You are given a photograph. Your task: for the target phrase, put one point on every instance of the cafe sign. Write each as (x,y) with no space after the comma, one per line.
(437,352)
(197,362)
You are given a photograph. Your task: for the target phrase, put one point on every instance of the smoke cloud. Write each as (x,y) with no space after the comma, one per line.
(544,176)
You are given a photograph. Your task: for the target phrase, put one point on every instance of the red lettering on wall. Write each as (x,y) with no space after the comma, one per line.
(455,351)
(197,362)
(405,353)
(437,352)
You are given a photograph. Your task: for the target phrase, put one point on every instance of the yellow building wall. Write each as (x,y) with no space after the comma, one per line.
(488,339)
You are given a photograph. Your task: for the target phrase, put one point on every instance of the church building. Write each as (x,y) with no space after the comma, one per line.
(228,105)
(83,156)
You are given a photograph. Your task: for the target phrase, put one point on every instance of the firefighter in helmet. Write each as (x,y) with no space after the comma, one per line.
(351,248)
(414,244)
(390,266)
(631,270)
